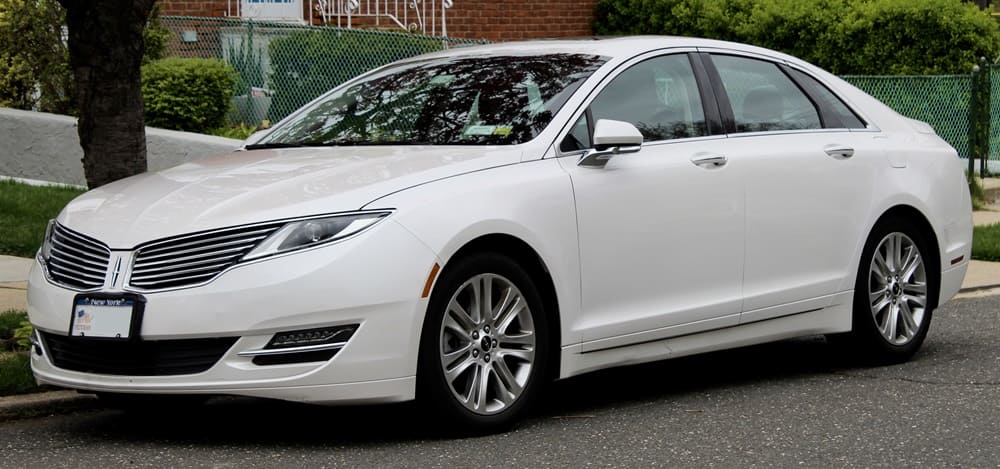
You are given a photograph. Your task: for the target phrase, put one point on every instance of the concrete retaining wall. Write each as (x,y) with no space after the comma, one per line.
(45,147)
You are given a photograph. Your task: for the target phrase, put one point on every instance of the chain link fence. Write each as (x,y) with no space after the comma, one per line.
(282,66)
(942,101)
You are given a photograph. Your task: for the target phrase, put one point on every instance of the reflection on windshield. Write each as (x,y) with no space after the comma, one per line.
(453,101)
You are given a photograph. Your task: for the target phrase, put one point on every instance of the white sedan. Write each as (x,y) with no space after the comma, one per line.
(464,227)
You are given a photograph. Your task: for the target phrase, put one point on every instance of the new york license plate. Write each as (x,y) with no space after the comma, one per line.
(102,317)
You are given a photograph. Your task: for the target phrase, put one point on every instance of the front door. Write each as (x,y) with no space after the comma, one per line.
(660,231)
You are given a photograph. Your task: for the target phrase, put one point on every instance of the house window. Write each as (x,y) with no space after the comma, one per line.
(275,10)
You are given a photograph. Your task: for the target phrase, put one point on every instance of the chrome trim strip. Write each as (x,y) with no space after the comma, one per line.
(289,350)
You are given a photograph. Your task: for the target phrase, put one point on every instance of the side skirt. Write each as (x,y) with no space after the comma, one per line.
(832,319)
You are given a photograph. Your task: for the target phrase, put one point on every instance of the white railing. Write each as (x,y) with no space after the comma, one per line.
(423,16)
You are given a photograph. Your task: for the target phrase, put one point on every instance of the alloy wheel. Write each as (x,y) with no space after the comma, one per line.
(897,288)
(487,344)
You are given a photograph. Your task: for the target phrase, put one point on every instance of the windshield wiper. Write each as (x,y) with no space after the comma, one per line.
(264,146)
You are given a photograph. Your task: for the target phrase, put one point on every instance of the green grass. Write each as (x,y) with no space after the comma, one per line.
(15,374)
(986,243)
(24,212)
(15,367)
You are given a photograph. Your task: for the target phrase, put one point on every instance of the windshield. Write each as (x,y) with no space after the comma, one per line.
(479,100)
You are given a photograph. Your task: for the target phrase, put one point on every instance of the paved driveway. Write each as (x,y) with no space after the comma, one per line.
(789,404)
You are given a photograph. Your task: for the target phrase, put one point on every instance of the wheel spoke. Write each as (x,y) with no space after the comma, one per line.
(880,268)
(880,304)
(505,299)
(891,322)
(451,374)
(915,288)
(507,317)
(475,307)
(459,318)
(877,295)
(906,314)
(918,301)
(508,385)
(526,355)
(911,264)
(450,357)
(482,386)
(525,338)
(895,252)
(486,299)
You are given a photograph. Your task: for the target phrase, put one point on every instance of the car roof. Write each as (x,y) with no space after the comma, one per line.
(621,47)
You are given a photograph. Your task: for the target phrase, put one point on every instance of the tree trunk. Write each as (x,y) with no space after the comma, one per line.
(105,52)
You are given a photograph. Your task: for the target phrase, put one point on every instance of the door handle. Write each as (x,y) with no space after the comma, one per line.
(709,160)
(838,151)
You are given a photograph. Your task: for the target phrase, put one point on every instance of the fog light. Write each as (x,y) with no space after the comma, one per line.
(306,337)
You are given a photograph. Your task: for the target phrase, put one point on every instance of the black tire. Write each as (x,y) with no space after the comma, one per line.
(867,342)
(436,393)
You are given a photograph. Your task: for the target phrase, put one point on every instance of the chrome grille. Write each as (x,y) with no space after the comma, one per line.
(76,260)
(193,259)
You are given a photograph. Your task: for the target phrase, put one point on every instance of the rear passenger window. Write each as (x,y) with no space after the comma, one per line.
(829,102)
(763,98)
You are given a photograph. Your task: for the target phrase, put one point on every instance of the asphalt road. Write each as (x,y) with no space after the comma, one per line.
(794,403)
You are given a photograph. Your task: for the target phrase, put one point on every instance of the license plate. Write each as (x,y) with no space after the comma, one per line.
(102,317)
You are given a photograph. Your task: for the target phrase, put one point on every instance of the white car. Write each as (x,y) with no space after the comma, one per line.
(465,226)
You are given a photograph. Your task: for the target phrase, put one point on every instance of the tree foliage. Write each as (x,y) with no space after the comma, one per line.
(843,36)
(34,56)
(34,61)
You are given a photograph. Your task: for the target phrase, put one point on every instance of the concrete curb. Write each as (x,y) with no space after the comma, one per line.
(44,403)
(979,288)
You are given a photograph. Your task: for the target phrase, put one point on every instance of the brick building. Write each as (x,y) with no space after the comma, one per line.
(473,19)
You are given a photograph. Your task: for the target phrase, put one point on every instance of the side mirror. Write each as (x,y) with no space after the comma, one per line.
(611,138)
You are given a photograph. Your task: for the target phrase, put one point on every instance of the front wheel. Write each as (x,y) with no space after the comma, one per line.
(893,294)
(484,344)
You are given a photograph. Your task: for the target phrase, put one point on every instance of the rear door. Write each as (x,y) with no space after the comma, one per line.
(808,175)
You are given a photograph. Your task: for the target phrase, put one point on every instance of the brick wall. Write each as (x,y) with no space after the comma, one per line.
(474,19)
(207,8)
(520,19)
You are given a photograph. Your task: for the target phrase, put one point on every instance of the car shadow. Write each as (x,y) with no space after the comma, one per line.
(236,420)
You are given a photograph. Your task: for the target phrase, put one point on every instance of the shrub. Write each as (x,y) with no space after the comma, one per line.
(187,94)
(843,36)
(307,64)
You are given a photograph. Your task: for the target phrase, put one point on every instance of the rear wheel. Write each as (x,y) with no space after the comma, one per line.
(484,344)
(893,294)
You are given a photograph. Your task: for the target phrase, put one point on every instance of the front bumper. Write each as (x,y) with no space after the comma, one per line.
(374,280)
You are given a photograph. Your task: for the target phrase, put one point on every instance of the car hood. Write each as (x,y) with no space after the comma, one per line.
(263,185)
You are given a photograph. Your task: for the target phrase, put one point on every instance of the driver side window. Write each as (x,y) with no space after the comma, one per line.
(658,96)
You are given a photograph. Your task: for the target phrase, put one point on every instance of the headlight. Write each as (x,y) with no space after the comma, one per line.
(313,232)
(46,250)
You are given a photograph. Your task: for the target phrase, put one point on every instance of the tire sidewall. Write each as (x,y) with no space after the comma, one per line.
(432,388)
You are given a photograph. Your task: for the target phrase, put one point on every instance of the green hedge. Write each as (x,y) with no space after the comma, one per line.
(862,37)
(307,64)
(187,94)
